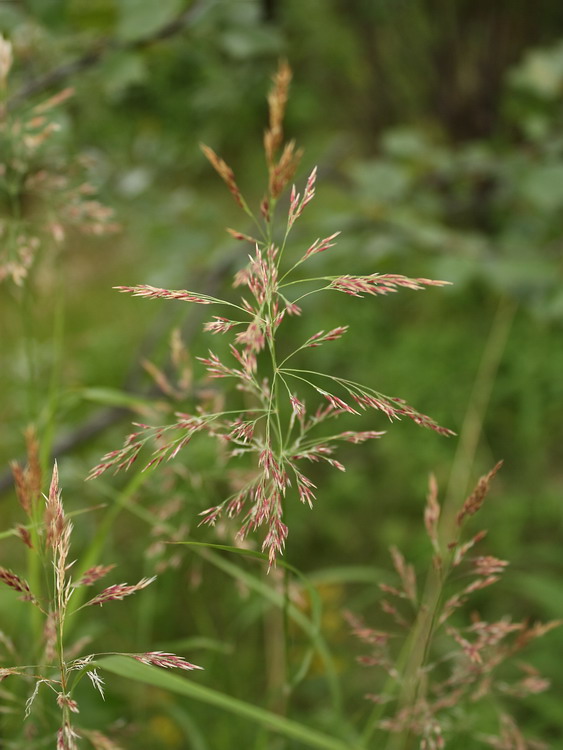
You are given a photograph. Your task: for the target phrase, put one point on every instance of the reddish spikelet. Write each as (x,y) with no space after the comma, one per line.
(243,278)
(284,170)
(471,650)
(119,591)
(321,337)
(275,540)
(21,486)
(6,672)
(215,367)
(224,172)
(160,378)
(395,408)
(376,283)
(366,635)
(62,549)
(305,488)
(53,518)
(477,497)
(297,406)
(486,565)
(359,437)
(90,576)
(28,481)
(277,100)
(272,468)
(392,590)
(240,236)
(165,660)
(462,549)
(66,738)
(252,337)
(241,430)
(219,325)
(393,612)
(406,574)
(247,359)
(292,309)
(211,515)
(18,584)
(24,535)
(432,512)
(265,209)
(336,402)
(320,246)
(296,203)
(153,292)
(65,701)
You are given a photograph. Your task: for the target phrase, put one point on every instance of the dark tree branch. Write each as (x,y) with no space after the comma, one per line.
(99,50)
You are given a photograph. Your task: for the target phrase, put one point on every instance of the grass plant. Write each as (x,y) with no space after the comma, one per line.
(440,676)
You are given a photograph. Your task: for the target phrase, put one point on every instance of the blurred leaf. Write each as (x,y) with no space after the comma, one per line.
(382,180)
(139,18)
(48,11)
(405,143)
(543,186)
(541,72)
(121,70)
(251,42)
(94,14)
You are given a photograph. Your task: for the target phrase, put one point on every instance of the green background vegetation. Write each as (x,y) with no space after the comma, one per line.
(437,130)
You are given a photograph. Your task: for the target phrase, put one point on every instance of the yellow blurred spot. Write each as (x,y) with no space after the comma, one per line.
(165,732)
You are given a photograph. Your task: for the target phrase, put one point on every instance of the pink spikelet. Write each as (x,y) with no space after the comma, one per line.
(219,325)
(320,246)
(296,203)
(275,540)
(153,292)
(337,403)
(321,337)
(17,584)
(375,284)
(119,591)
(165,660)
(90,576)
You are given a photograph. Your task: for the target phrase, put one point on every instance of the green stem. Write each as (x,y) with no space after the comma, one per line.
(419,643)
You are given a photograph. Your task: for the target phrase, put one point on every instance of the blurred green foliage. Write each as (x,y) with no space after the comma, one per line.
(437,128)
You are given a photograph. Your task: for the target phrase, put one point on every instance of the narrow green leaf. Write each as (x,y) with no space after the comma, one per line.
(134,670)
(311,628)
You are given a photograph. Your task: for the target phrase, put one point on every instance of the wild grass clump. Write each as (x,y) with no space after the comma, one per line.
(440,676)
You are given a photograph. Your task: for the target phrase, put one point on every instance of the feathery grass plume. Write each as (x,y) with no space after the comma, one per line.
(467,667)
(60,669)
(276,433)
(27,480)
(225,173)
(30,169)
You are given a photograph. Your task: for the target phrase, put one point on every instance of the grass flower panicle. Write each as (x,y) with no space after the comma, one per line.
(278,443)
(58,671)
(32,172)
(456,663)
